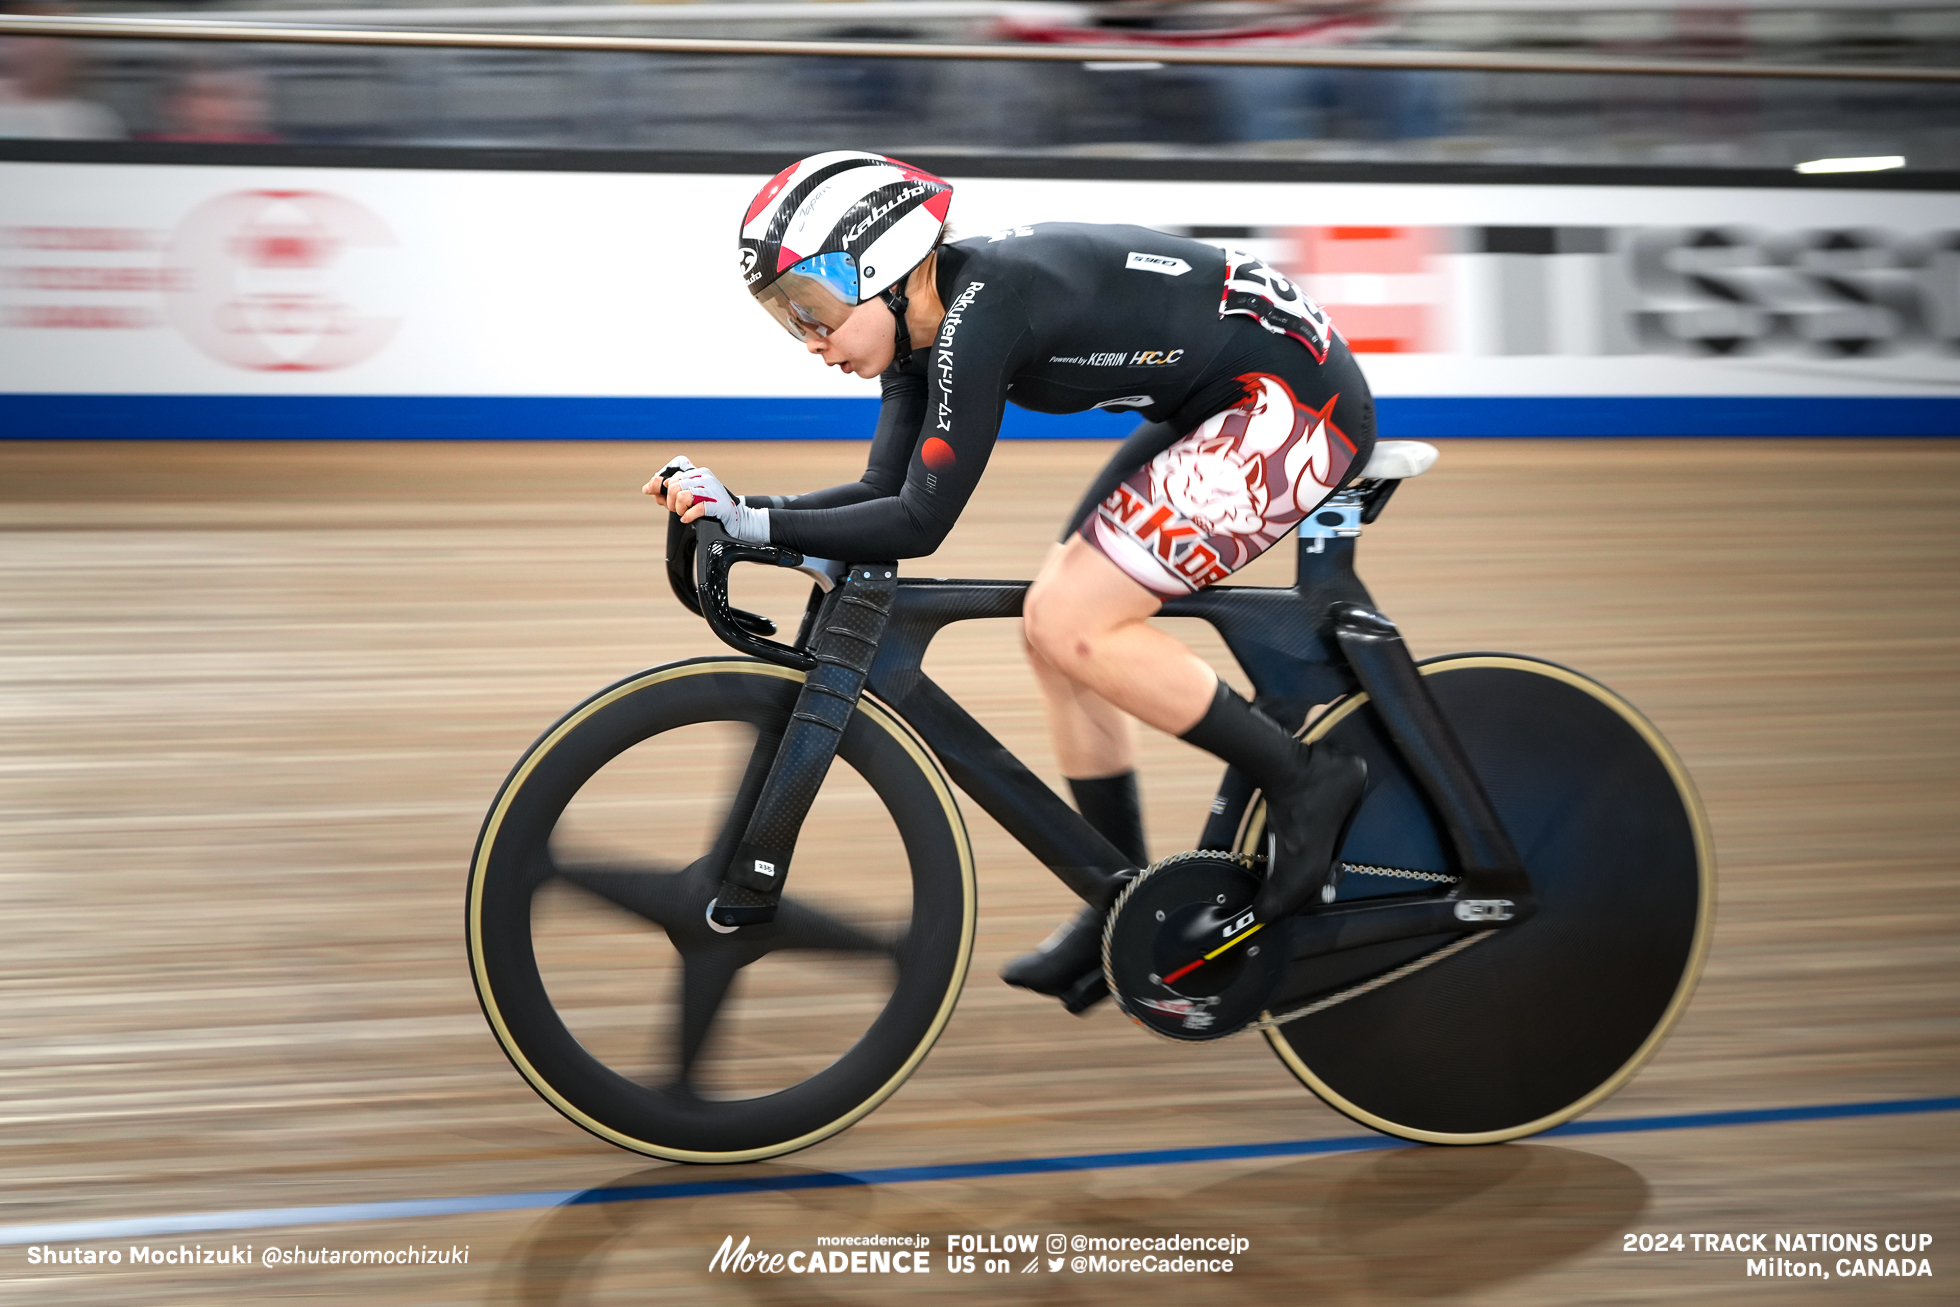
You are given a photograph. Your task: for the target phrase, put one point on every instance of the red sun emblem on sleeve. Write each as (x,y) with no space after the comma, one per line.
(937,454)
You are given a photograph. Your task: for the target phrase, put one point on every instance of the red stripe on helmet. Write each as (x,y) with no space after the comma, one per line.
(912,174)
(769,192)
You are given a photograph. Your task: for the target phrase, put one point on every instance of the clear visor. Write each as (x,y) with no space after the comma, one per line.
(814,297)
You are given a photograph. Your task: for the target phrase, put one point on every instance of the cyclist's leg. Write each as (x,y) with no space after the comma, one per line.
(1087,621)
(1193,513)
(1092,737)
(1095,741)
(1170,515)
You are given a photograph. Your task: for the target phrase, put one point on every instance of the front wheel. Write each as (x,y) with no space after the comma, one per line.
(653,1027)
(1538,1022)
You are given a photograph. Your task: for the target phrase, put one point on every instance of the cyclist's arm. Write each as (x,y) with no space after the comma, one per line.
(899,416)
(968,370)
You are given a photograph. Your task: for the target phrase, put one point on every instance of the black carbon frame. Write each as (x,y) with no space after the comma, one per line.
(1309,643)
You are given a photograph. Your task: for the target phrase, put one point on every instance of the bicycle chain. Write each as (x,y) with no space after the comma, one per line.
(1370,869)
(1434,877)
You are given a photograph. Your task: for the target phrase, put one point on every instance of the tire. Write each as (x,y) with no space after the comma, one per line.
(641,1021)
(1538,1023)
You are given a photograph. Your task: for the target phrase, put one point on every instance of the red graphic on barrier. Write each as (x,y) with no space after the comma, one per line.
(1380,283)
(79,278)
(263,281)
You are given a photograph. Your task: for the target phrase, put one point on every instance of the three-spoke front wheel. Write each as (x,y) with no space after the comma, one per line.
(649,1025)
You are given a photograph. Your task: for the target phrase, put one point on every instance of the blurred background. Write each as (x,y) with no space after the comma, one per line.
(1125,107)
(328,378)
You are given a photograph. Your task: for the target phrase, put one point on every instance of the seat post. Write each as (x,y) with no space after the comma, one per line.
(1338,519)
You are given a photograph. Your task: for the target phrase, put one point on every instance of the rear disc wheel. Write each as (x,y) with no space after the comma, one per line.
(1539,1022)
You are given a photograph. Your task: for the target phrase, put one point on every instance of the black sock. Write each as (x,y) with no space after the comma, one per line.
(1111,805)
(1235,731)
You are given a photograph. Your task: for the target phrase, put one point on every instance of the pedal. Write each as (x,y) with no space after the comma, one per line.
(1184,954)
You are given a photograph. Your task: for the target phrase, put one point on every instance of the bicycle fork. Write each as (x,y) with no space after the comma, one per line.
(849,625)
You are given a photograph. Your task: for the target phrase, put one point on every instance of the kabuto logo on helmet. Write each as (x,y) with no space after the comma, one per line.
(879,211)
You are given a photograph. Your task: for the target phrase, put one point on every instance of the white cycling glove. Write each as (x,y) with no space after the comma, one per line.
(736,518)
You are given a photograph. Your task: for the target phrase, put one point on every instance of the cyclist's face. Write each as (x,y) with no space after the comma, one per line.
(863,346)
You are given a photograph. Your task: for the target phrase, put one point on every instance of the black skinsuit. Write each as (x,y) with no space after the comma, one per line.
(1063,317)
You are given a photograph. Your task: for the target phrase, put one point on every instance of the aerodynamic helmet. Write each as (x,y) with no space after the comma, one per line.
(831,231)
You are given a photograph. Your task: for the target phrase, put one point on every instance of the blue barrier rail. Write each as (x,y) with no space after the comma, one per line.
(420,417)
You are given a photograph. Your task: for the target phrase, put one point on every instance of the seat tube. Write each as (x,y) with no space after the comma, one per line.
(1381,662)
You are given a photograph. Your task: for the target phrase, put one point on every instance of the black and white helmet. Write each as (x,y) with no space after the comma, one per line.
(831,231)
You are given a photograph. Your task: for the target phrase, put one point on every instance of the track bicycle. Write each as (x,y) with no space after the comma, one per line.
(699,937)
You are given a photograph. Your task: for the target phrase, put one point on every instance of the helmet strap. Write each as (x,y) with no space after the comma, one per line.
(896,301)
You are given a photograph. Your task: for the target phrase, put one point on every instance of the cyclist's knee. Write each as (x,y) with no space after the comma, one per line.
(1077,603)
(1036,659)
(1037,609)
(1059,628)
(1051,625)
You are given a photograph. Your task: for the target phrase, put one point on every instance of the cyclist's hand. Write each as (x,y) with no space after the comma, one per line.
(696,492)
(664,485)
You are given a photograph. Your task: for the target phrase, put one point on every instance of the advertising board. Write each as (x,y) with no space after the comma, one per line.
(251,301)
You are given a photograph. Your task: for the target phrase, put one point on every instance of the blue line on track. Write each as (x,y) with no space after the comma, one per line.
(146,1227)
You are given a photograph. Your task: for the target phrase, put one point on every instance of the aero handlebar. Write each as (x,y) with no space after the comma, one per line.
(699,557)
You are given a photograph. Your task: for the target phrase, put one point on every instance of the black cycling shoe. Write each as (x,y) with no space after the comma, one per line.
(1068,965)
(1071,955)
(1306,824)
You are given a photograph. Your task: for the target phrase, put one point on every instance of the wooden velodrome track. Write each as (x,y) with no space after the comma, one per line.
(257,697)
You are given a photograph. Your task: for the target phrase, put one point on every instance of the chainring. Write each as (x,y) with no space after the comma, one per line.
(1184,956)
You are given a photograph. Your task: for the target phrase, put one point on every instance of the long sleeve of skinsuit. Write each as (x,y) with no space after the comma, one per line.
(929,450)
(902,409)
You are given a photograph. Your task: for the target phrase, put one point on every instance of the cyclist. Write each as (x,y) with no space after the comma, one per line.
(1254,412)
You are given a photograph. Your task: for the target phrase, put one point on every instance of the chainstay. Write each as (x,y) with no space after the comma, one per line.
(1369,986)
